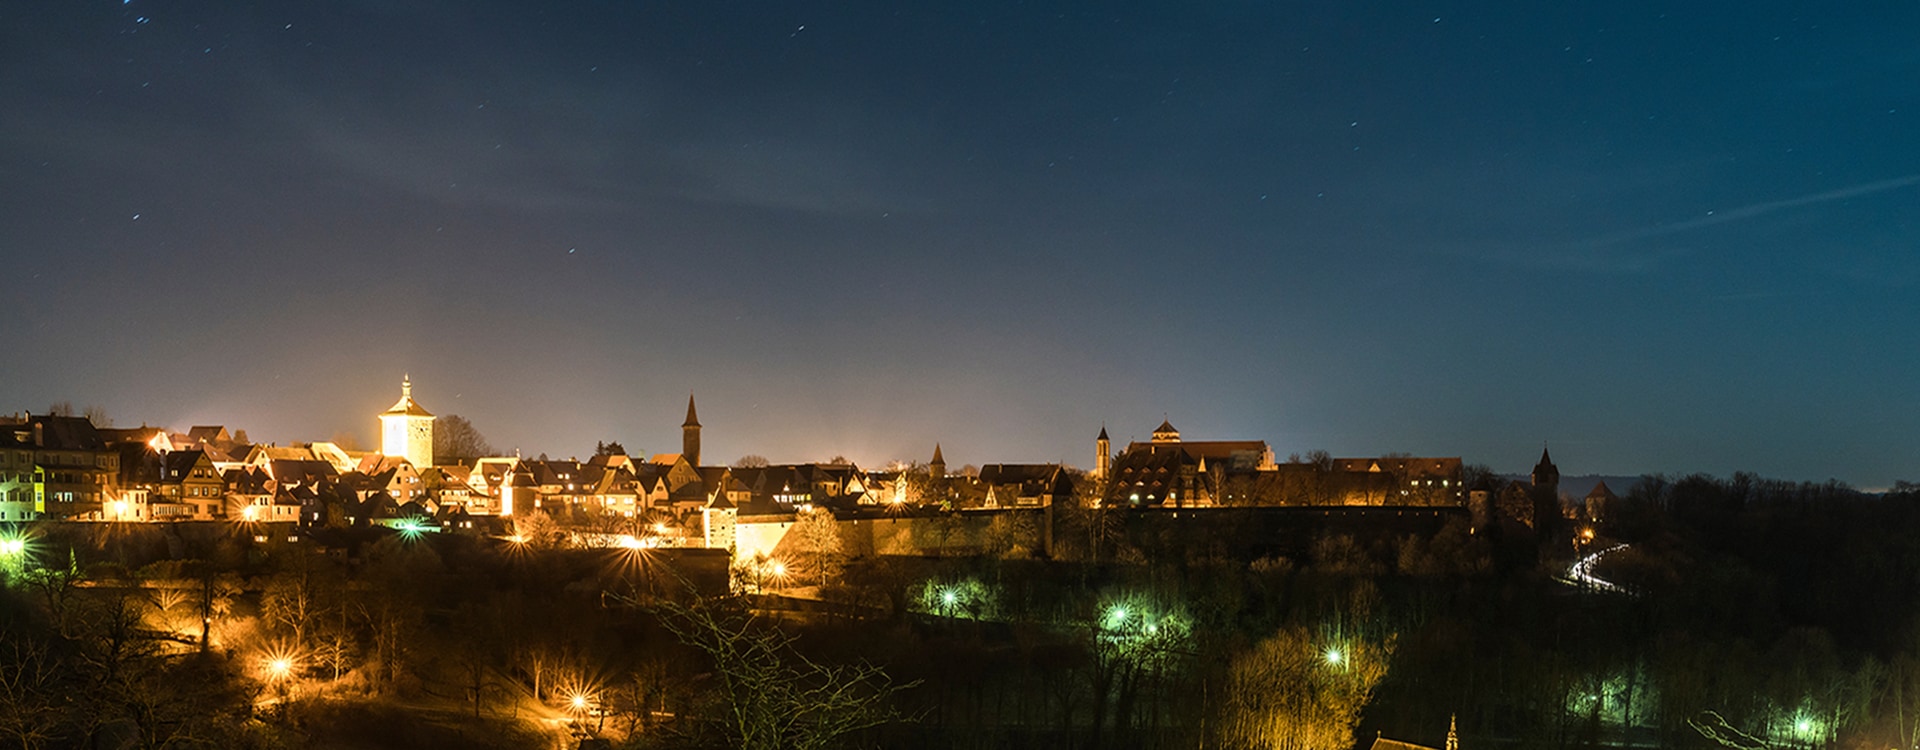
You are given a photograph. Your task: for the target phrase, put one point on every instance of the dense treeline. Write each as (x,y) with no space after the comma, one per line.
(1754,613)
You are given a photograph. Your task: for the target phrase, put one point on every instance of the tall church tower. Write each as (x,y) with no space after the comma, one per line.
(1102,455)
(1546,495)
(937,468)
(406,430)
(690,435)
(1546,476)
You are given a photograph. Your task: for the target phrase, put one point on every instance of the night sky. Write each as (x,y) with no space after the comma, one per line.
(1656,236)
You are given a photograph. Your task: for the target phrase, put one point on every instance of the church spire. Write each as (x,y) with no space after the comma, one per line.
(1102,454)
(690,435)
(1453,736)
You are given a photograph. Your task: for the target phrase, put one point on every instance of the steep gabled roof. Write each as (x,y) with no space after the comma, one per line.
(208,434)
(178,465)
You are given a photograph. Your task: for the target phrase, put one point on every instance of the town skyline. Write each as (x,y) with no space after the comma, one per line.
(640,446)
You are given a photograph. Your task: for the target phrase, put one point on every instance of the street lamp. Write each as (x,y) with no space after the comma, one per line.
(1334,656)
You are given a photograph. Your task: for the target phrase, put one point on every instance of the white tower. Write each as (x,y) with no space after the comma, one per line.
(406,430)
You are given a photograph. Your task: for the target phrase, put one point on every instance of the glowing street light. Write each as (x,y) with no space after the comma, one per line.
(949,598)
(280,668)
(578,702)
(14,547)
(1334,657)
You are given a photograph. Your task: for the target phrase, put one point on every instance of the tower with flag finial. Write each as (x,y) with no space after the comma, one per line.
(1453,736)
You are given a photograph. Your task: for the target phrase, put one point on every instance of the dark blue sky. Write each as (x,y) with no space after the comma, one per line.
(1659,236)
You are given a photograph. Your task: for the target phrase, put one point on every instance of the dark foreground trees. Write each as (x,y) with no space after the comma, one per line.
(768,695)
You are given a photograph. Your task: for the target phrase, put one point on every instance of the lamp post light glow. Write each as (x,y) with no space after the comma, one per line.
(1334,657)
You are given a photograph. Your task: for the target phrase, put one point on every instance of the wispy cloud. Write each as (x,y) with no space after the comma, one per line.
(1744,213)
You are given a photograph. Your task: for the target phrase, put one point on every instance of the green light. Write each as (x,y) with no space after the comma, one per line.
(12,547)
(1118,615)
(1334,656)
(1804,726)
(948,598)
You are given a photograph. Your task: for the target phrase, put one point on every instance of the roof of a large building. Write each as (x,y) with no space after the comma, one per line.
(1407,465)
(54,433)
(1382,743)
(1011,473)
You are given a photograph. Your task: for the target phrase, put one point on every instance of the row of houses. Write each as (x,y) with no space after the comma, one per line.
(65,467)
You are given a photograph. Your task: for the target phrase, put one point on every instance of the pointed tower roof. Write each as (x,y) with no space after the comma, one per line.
(937,458)
(1165,426)
(1453,735)
(406,406)
(693,420)
(1103,432)
(1546,461)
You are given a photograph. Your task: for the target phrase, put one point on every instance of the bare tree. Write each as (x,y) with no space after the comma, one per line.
(60,409)
(772,696)
(819,545)
(751,461)
(30,712)
(455,437)
(97,414)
